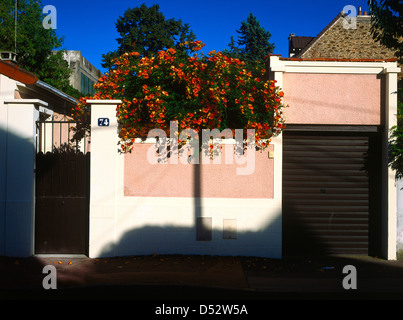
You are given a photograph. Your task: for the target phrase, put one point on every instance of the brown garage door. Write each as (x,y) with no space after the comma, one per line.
(329,192)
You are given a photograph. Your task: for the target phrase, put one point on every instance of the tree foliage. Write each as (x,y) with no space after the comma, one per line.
(387,24)
(387,28)
(253,43)
(34,43)
(146,30)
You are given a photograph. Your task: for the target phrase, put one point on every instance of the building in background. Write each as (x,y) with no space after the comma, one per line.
(84,74)
(296,44)
(341,39)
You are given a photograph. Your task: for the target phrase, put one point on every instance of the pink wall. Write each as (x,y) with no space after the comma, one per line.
(180,180)
(345,99)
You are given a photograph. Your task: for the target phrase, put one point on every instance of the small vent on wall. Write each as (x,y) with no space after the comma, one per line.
(204,227)
(229,229)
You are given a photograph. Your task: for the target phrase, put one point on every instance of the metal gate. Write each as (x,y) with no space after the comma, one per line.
(331,193)
(62,189)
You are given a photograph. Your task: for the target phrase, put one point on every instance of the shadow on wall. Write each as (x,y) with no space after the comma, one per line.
(203,235)
(169,240)
(17,158)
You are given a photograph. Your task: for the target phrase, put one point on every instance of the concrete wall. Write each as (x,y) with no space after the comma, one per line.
(17,176)
(139,208)
(344,99)
(213,180)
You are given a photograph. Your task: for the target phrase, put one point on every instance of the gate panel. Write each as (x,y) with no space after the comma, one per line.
(61,212)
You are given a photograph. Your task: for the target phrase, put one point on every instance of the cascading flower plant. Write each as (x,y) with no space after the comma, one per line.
(198,91)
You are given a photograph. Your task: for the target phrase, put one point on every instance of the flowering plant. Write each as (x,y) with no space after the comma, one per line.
(198,91)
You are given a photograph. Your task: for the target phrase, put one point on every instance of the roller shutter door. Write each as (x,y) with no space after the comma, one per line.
(329,188)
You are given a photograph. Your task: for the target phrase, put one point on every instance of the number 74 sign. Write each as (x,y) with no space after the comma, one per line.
(103,122)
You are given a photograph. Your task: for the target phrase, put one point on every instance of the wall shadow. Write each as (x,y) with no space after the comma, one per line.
(17,158)
(150,240)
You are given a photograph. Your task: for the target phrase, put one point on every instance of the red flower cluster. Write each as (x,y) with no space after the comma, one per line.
(198,91)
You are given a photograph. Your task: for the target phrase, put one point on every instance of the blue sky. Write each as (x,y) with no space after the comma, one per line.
(89,25)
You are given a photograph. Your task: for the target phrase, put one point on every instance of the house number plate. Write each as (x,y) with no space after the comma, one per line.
(103,122)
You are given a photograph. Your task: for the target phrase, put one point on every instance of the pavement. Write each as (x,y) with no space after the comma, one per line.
(176,277)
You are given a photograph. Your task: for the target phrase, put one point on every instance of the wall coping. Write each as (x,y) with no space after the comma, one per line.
(92,101)
(332,66)
(26,101)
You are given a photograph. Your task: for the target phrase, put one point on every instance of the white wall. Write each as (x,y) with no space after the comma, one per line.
(122,225)
(17,197)
(7,87)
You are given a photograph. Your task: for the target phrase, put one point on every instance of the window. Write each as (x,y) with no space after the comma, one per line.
(87,85)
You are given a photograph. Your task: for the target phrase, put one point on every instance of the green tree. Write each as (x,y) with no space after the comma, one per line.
(387,24)
(387,28)
(145,30)
(253,43)
(34,44)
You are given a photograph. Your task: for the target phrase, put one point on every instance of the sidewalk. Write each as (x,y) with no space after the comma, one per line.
(200,277)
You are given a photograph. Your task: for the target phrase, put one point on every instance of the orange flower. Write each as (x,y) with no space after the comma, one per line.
(205,84)
(171,51)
